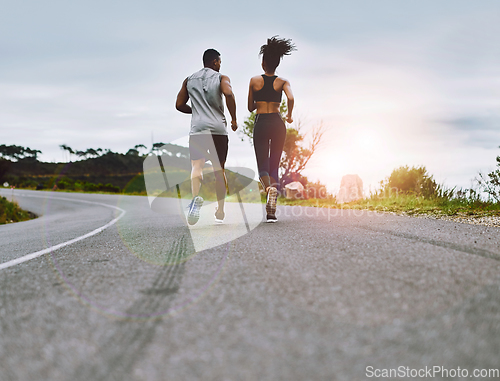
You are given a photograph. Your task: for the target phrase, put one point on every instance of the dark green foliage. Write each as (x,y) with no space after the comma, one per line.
(4,168)
(67,183)
(135,185)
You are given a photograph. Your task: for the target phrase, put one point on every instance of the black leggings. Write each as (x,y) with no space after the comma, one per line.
(268,140)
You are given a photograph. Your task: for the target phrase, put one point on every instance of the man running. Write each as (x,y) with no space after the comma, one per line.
(208,138)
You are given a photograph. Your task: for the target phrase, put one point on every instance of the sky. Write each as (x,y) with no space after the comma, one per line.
(393,82)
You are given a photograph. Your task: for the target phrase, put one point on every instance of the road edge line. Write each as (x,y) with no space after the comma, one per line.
(37,254)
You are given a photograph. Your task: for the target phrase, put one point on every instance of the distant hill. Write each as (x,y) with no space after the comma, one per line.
(110,172)
(111,168)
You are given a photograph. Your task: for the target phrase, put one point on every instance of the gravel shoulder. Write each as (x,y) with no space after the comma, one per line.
(472,219)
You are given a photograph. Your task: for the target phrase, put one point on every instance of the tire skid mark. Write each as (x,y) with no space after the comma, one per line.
(447,245)
(116,357)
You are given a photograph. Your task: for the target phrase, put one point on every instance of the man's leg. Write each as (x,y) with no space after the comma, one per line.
(197,163)
(220,185)
(218,159)
(196,175)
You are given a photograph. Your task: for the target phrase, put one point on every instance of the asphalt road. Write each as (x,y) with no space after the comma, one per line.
(321,295)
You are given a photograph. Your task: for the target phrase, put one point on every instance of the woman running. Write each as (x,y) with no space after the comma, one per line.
(269,132)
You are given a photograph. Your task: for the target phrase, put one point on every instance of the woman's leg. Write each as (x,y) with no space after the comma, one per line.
(261,146)
(277,143)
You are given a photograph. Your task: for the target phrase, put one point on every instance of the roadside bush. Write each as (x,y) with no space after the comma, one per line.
(491,184)
(317,190)
(11,212)
(411,181)
(21,182)
(108,188)
(90,187)
(66,183)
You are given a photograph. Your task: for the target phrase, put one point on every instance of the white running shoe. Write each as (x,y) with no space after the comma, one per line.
(194,210)
(219,216)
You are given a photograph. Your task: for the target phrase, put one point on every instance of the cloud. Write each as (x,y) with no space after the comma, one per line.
(476,131)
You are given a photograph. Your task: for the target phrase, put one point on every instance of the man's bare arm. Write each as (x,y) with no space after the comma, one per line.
(182,99)
(227,90)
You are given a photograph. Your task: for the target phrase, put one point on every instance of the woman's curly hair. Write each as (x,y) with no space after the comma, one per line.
(274,50)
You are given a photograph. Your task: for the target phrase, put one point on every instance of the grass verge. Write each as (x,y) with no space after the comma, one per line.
(409,205)
(11,212)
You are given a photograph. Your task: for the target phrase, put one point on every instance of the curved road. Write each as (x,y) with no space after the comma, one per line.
(322,295)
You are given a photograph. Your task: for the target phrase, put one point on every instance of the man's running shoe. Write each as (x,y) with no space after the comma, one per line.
(272,195)
(219,216)
(271,218)
(194,210)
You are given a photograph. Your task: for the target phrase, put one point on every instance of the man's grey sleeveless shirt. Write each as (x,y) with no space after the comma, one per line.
(206,102)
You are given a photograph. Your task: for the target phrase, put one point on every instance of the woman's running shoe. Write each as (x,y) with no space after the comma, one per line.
(194,210)
(272,195)
(271,218)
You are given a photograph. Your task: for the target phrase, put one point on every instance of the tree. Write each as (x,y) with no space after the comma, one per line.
(90,152)
(132,152)
(31,153)
(12,152)
(16,153)
(156,147)
(64,147)
(81,154)
(295,156)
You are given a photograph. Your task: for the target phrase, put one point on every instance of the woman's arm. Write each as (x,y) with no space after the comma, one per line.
(289,95)
(251,103)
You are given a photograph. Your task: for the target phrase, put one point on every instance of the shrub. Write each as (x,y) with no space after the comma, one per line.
(414,180)
(90,187)
(317,190)
(491,185)
(11,212)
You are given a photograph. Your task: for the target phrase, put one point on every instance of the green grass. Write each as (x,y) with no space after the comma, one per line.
(11,212)
(409,204)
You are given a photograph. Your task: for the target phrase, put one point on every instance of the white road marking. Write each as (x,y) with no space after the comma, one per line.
(37,254)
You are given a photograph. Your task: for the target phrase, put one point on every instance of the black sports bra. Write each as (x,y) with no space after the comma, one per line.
(267,93)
